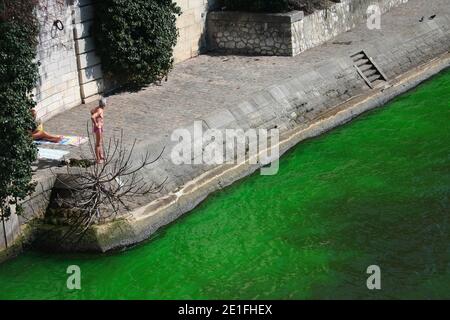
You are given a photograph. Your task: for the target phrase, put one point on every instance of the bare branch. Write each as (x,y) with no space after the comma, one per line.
(100,192)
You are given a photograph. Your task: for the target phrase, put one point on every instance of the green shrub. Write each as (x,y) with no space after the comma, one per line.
(18,74)
(275,5)
(135,39)
(257,5)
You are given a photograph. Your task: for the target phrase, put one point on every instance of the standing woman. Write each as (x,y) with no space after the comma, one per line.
(97,117)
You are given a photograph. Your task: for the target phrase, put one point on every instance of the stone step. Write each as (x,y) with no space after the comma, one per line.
(358,56)
(370,72)
(366,67)
(362,62)
(378,83)
(374,77)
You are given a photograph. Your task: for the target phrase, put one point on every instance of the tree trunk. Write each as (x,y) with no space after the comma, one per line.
(4,229)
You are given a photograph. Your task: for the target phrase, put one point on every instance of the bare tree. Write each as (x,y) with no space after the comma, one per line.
(100,192)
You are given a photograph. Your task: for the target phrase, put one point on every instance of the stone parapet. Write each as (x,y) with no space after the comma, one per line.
(286,34)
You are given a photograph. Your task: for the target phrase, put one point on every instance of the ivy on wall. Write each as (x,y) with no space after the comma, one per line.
(135,39)
(18,76)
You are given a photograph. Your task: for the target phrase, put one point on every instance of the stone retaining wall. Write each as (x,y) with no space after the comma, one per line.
(285,34)
(88,62)
(324,25)
(58,87)
(70,71)
(191,27)
(252,33)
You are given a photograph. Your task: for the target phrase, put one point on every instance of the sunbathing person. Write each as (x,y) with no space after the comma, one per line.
(40,134)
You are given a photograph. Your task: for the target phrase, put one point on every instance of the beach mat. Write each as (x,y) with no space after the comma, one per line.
(51,154)
(66,141)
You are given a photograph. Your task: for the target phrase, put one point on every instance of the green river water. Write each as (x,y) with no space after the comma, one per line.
(373,192)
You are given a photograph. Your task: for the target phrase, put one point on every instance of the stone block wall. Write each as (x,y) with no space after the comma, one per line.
(89,64)
(286,34)
(324,25)
(70,71)
(252,33)
(58,87)
(191,27)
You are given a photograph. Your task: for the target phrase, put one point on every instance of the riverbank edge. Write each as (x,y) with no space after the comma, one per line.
(140,224)
(16,248)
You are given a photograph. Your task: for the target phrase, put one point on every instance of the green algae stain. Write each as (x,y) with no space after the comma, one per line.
(375,191)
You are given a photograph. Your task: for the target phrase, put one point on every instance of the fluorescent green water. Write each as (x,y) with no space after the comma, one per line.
(373,192)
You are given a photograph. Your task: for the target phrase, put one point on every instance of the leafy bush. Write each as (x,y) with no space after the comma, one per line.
(275,5)
(257,5)
(18,74)
(135,39)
